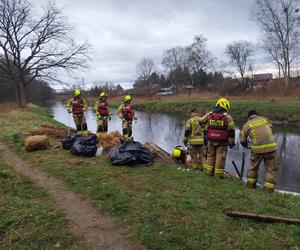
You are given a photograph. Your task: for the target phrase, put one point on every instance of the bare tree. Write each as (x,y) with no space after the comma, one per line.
(198,55)
(180,61)
(278,22)
(240,54)
(36,47)
(175,58)
(145,68)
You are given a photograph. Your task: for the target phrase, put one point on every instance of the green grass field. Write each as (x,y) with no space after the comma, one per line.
(160,206)
(28,218)
(281,110)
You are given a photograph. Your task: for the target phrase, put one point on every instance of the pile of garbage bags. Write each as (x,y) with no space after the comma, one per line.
(127,152)
(68,141)
(130,153)
(81,145)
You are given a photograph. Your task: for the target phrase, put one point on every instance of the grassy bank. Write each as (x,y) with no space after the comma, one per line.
(160,206)
(286,111)
(28,218)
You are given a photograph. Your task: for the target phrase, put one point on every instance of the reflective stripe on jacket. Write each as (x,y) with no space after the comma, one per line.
(259,130)
(196,131)
(101,108)
(77,105)
(126,112)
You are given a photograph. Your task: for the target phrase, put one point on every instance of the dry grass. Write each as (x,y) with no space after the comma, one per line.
(8,106)
(49,130)
(276,89)
(107,141)
(37,142)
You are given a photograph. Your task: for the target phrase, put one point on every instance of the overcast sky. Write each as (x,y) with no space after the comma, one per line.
(123,31)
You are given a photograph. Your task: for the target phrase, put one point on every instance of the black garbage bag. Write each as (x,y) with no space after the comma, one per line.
(85,145)
(68,141)
(130,153)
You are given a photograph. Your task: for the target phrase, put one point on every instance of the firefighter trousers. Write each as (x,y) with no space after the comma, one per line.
(198,156)
(102,124)
(271,168)
(216,159)
(80,122)
(127,128)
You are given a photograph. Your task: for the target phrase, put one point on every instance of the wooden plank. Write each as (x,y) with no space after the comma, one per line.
(262,218)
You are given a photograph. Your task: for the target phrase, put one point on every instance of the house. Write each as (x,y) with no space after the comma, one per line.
(261,78)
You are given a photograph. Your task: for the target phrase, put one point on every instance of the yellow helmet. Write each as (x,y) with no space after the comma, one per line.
(223,103)
(77,92)
(127,98)
(102,94)
(176,153)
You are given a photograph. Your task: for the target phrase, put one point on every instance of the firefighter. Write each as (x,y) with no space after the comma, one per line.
(179,154)
(193,136)
(220,135)
(259,130)
(77,105)
(102,112)
(126,114)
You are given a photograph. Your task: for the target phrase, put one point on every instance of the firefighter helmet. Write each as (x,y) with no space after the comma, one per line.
(127,98)
(102,94)
(176,153)
(77,92)
(223,103)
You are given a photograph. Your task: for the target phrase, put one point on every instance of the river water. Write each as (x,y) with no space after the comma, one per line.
(167,131)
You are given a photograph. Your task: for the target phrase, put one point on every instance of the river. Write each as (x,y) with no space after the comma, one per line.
(167,131)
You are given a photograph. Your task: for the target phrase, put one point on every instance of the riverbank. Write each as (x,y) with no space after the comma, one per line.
(160,206)
(279,111)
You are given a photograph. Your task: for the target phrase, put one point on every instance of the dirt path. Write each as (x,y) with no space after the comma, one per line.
(99,231)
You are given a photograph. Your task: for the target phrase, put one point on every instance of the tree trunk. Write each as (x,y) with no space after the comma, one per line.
(20,94)
(286,80)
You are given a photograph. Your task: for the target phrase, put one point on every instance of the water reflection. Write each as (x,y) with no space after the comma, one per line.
(167,131)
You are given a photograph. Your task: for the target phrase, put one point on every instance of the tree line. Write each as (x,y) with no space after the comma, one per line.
(42,94)
(279,22)
(38,46)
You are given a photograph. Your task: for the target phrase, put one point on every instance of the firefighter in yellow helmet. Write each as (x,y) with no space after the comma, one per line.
(220,135)
(77,106)
(101,109)
(259,130)
(193,136)
(126,114)
(179,154)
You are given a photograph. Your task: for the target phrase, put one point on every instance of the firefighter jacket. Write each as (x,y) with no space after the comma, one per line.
(77,105)
(126,112)
(220,126)
(193,130)
(101,108)
(259,130)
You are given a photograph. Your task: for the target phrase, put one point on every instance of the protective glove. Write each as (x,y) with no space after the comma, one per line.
(231,145)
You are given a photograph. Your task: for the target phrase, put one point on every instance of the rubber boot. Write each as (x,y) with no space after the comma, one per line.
(78,127)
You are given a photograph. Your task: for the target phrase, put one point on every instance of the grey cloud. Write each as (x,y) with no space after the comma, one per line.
(122,32)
